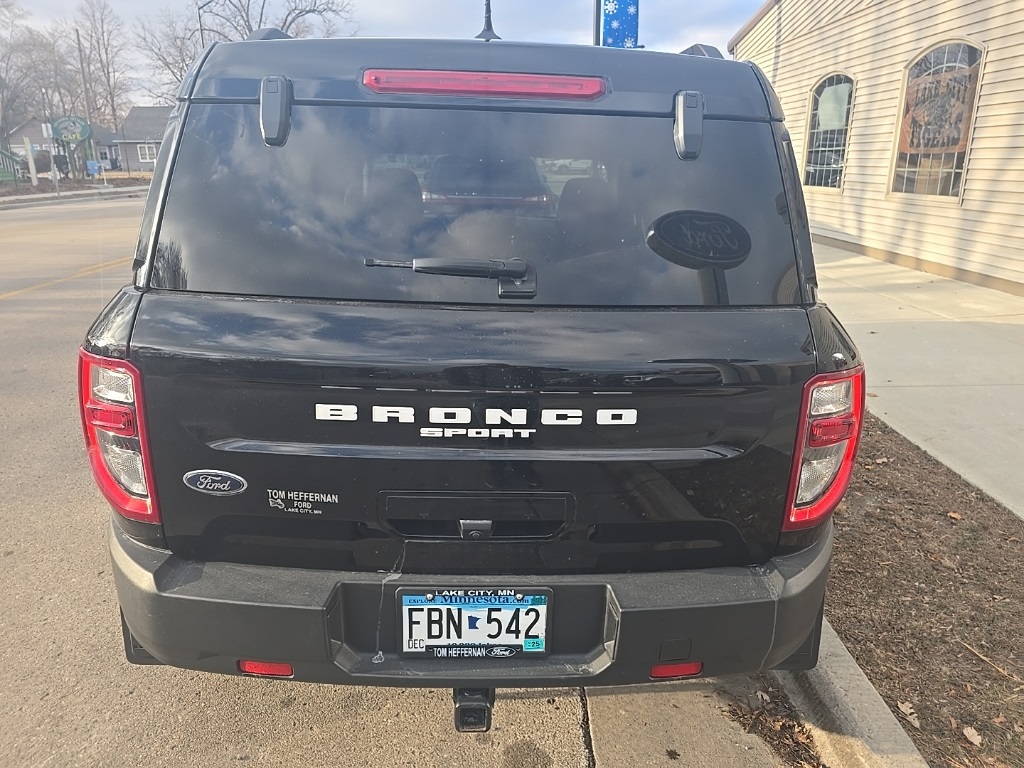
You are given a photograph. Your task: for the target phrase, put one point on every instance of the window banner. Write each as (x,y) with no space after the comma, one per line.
(937,116)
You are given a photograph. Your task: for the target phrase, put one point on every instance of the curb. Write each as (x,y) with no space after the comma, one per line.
(851,724)
(32,201)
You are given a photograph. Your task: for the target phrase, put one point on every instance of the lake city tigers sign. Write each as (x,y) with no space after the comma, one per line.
(937,116)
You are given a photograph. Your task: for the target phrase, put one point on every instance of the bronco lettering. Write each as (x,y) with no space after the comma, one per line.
(603,417)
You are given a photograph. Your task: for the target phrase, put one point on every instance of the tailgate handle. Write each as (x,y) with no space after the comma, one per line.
(475,530)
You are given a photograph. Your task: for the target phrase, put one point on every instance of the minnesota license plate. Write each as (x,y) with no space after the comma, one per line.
(474,623)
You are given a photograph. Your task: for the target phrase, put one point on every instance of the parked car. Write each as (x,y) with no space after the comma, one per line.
(351,439)
(456,183)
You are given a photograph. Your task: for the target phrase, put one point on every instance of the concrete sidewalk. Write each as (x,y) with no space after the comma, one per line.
(43,198)
(945,363)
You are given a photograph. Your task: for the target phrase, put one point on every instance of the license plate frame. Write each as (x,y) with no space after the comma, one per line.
(458,605)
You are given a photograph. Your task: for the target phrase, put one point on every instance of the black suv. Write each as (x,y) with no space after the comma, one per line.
(355,434)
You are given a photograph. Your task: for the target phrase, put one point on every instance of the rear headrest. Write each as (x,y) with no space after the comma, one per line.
(585,198)
(589,218)
(394,186)
(394,204)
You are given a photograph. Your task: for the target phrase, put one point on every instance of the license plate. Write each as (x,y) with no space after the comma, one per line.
(474,623)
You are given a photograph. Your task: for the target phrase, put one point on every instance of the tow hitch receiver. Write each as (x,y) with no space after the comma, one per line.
(473,708)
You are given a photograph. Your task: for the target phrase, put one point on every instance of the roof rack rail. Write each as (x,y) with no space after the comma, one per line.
(269,33)
(699,49)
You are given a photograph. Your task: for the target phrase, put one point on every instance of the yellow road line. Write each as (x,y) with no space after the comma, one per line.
(84,272)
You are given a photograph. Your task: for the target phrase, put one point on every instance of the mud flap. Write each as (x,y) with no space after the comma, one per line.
(133,650)
(806,656)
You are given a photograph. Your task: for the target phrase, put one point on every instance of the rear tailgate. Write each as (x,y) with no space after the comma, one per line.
(579,441)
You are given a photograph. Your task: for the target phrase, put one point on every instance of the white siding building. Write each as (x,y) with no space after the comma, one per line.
(907,119)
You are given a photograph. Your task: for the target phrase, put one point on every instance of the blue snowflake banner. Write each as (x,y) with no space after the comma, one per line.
(620,22)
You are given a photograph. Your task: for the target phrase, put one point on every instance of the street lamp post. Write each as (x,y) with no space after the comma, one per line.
(199,15)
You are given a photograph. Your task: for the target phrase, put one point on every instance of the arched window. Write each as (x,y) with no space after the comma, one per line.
(935,126)
(829,126)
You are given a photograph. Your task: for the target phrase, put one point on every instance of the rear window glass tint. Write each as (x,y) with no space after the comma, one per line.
(575,196)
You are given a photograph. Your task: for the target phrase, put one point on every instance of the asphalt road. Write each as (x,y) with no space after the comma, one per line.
(68,698)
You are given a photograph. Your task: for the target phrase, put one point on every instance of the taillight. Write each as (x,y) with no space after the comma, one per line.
(110,395)
(831,417)
(509,85)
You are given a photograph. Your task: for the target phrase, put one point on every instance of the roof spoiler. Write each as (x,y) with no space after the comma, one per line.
(269,33)
(699,49)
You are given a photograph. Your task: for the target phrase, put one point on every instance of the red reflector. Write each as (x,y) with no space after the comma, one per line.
(510,85)
(826,432)
(676,669)
(266,668)
(117,419)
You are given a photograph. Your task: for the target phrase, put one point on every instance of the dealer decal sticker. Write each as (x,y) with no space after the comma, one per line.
(300,502)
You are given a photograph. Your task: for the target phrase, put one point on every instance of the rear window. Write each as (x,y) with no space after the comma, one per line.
(599,206)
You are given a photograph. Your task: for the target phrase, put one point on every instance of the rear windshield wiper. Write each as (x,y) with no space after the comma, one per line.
(516,278)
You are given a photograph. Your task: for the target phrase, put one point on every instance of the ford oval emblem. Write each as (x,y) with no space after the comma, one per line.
(501,652)
(698,240)
(215,482)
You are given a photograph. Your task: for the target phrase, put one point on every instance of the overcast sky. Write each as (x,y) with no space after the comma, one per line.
(665,25)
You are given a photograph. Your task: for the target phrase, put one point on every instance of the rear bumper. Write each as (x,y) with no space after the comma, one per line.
(340,627)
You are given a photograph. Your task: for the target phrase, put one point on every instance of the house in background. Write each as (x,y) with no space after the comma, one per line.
(906,124)
(104,141)
(31,129)
(137,141)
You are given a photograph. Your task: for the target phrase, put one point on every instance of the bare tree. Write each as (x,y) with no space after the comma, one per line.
(53,60)
(107,60)
(17,76)
(172,42)
(169,45)
(237,19)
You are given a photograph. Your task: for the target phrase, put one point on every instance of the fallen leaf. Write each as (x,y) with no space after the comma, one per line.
(972,736)
(907,710)
(872,394)
(999,720)
(969,688)
(671,754)
(954,516)
(763,696)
